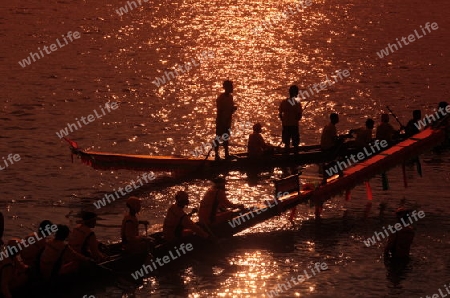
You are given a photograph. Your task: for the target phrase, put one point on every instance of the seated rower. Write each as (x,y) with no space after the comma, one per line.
(385,131)
(177,223)
(363,134)
(214,205)
(132,242)
(32,253)
(329,139)
(13,273)
(413,125)
(83,239)
(58,257)
(256,147)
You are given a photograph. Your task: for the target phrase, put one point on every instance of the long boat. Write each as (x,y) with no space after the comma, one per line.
(182,164)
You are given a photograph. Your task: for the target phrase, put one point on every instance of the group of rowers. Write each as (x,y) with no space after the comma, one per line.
(68,251)
(290,113)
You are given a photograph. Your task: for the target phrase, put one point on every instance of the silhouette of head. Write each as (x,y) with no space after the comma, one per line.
(44,224)
(182,198)
(62,233)
(293,91)
(257,127)
(370,123)
(417,114)
(385,118)
(228,86)
(443,105)
(334,118)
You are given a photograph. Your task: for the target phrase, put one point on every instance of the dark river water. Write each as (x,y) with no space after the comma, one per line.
(117,59)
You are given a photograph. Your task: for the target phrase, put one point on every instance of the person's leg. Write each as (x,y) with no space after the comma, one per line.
(227,152)
(295,138)
(216,149)
(285,138)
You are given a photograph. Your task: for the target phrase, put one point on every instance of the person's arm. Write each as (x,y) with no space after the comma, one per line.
(93,247)
(300,111)
(225,203)
(390,244)
(280,111)
(71,255)
(189,224)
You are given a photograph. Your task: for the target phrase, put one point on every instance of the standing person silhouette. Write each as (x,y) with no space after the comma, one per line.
(225,109)
(290,113)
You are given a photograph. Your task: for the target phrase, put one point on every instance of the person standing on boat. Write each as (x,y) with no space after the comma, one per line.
(214,205)
(411,128)
(329,139)
(59,258)
(399,243)
(83,239)
(256,146)
(225,109)
(385,131)
(363,134)
(290,113)
(32,253)
(177,223)
(132,242)
(13,272)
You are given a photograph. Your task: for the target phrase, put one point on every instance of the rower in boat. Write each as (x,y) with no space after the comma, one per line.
(32,253)
(385,131)
(83,239)
(290,113)
(399,243)
(363,134)
(256,146)
(178,223)
(329,140)
(411,128)
(58,257)
(132,242)
(225,109)
(214,207)
(13,272)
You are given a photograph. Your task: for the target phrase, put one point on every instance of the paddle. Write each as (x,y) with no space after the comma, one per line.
(395,116)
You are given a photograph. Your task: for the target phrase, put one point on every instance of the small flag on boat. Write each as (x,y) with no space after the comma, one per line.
(405,181)
(368,190)
(385,181)
(348,195)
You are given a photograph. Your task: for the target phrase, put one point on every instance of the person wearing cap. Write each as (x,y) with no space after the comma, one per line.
(214,207)
(58,257)
(32,253)
(225,109)
(83,239)
(290,113)
(132,242)
(399,243)
(256,146)
(177,223)
(385,131)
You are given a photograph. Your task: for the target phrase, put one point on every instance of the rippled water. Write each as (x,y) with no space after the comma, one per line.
(118,58)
